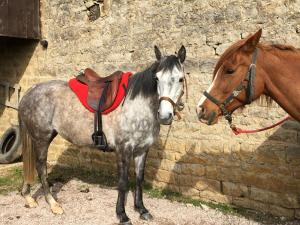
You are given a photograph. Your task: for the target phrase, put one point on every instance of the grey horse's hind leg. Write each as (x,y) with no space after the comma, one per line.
(28,166)
(139,160)
(41,148)
(123,160)
(30,202)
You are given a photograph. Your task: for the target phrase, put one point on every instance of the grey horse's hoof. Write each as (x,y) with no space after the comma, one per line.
(125,223)
(146,216)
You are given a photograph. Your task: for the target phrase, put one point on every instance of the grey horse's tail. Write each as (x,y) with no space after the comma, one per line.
(28,155)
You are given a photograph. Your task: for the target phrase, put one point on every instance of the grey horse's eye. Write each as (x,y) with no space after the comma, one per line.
(181,80)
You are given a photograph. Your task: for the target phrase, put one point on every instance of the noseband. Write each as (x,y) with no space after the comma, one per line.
(249,88)
(178,106)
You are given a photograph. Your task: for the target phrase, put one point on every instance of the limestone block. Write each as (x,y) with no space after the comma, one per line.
(163,175)
(235,189)
(193,169)
(293,157)
(251,204)
(286,200)
(207,184)
(296,172)
(233,174)
(167,165)
(193,158)
(272,182)
(297,213)
(281,211)
(185,180)
(212,172)
(215,196)
(190,192)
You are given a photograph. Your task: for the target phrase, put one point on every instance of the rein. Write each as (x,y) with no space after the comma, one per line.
(238,131)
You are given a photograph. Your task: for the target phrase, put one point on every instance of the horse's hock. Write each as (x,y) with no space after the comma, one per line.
(258,171)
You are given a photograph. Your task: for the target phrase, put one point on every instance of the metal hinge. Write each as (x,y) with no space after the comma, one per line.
(8,97)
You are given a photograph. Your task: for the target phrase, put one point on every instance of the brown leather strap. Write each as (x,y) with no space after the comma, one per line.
(169,100)
(175,106)
(178,115)
(185,86)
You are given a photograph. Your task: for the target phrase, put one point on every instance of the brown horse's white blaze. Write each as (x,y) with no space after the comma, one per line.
(207,117)
(276,74)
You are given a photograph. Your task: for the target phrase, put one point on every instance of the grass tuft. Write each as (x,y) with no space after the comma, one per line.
(178,197)
(11,180)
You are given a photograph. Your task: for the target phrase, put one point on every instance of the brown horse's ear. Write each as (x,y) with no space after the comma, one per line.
(252,41)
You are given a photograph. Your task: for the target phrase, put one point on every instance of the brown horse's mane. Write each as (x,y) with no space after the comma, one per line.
(279,47)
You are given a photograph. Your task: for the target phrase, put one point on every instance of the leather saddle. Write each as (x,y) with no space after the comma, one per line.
(96,85)
(102,92)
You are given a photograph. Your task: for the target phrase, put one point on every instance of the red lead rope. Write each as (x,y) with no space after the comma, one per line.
(238,131)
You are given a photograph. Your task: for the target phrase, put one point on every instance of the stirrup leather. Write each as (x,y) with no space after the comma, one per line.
(98,137)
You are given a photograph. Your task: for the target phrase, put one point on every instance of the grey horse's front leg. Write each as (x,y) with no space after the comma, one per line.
(140,160)
(123,158)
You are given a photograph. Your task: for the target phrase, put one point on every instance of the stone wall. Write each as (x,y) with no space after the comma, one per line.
(257,171)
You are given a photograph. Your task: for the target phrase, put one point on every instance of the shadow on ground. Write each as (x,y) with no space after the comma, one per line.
(248,177)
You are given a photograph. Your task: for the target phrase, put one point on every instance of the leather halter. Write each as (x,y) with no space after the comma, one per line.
(249,90)
(178,106)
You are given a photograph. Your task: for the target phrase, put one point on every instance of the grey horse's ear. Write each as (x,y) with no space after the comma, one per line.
(181,54)
(157,53)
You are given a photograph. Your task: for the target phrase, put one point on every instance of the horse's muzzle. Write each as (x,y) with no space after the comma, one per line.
(165,120)
(207,118)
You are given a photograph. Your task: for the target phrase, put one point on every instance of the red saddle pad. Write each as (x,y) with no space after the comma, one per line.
(81,90)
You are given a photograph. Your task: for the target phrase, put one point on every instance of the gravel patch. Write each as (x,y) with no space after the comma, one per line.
(89,204)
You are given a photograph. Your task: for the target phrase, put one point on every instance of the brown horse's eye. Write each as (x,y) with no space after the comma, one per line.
(229,71)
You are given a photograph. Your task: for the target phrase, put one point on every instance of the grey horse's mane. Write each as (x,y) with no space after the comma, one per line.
(144,83)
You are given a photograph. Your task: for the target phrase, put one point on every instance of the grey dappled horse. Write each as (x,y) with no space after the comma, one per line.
(51,108)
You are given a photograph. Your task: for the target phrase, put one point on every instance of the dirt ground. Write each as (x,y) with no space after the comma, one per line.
(89,204)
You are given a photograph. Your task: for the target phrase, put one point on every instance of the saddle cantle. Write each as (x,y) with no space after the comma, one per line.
(96,84)
(100,95)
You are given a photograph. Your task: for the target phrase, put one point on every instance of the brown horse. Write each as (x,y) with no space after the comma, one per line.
(248,70)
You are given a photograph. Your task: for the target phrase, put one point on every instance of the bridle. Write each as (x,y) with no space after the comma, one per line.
(179,105)
(249,88)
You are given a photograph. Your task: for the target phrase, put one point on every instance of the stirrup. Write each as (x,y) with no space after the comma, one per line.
(100,141)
